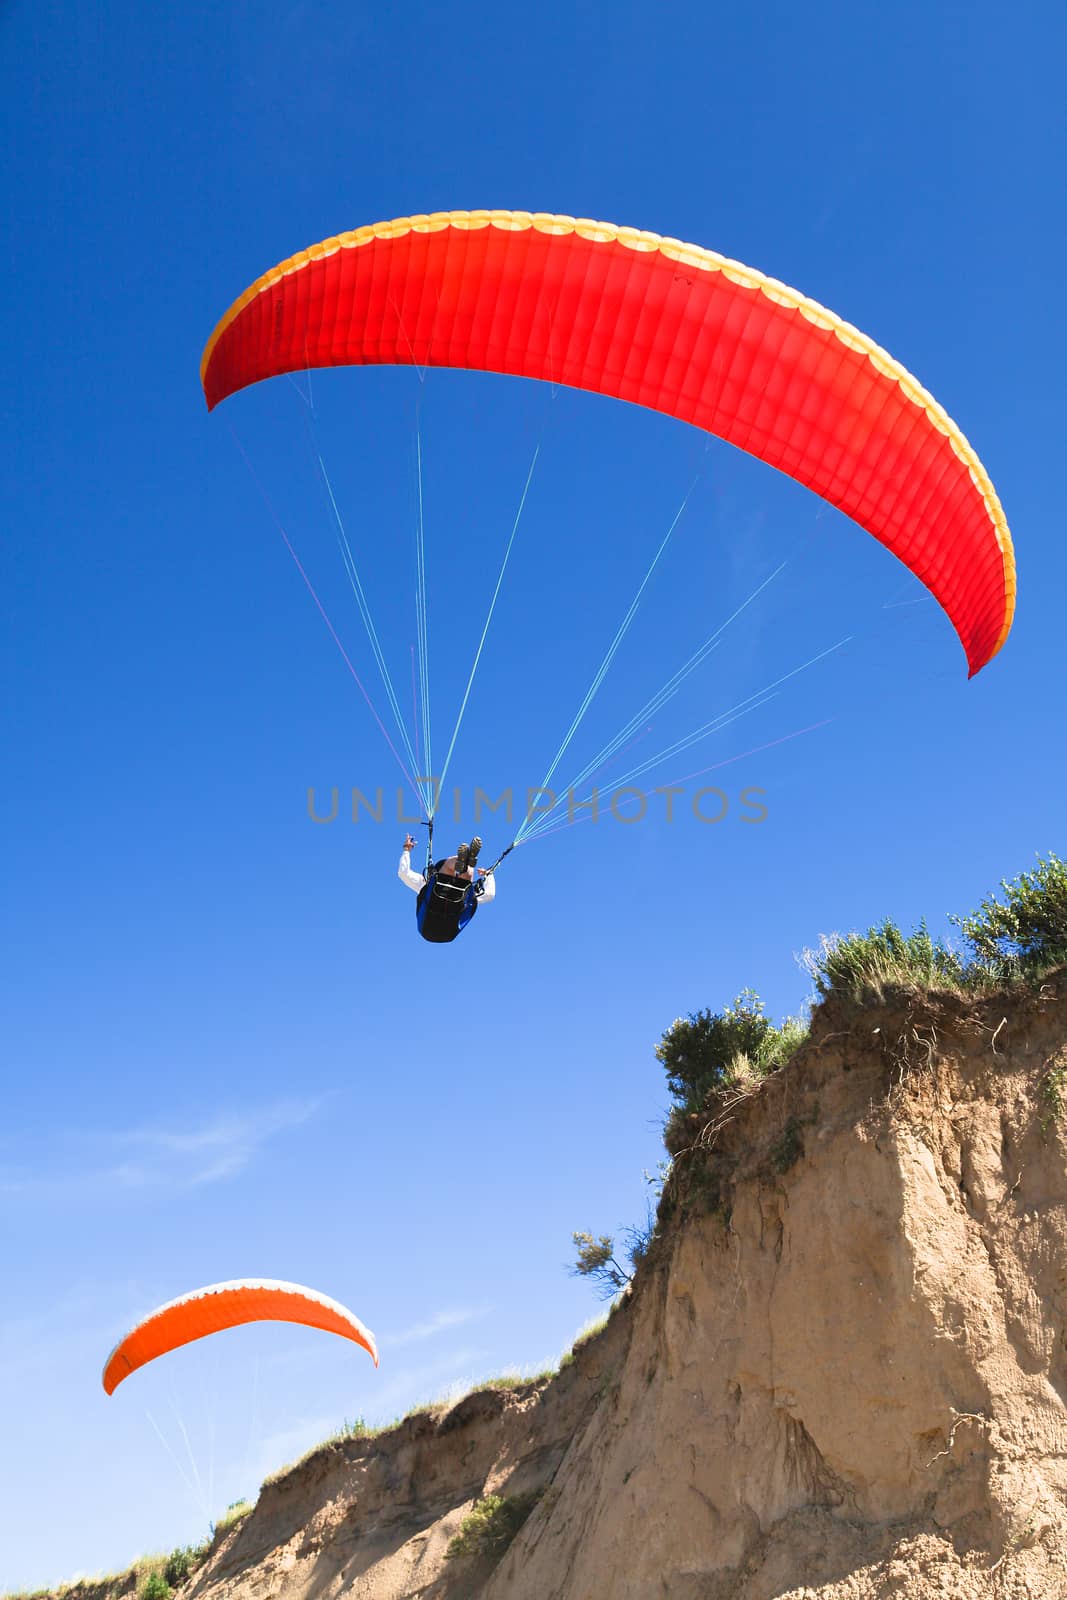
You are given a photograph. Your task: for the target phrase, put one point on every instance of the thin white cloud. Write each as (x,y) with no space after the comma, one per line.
(440,1323)
(160,1157)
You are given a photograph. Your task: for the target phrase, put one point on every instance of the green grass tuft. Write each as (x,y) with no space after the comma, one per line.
(512,1380)
(1052,1093)
(789,1147)
(1018,938)
(491,1526)
(862,966)
(236,1511)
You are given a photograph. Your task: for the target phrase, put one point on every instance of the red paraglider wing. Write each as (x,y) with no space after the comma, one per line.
(227,1305)
(663,324)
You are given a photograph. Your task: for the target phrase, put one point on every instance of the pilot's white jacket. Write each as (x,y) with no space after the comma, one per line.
(416,881)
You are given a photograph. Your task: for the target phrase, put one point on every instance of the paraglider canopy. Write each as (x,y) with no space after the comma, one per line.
(228,1305)
(662,324)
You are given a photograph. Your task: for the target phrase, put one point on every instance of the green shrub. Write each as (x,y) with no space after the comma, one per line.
(707,1050)
(179,1565)
(780,1044)
(1028,933)
(596,1260)
(596,1256)
(155,1587)
(1020,938)
(183,1562)
(491,1526)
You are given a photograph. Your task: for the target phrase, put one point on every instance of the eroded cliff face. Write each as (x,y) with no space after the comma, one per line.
(855,1384)
(841,1374)
(373,1518)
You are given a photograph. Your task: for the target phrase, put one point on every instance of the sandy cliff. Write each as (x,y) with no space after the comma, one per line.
(841,1372)
(855,1386)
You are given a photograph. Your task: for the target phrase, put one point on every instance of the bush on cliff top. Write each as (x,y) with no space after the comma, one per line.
(1017,939)
(1020,936)
(1028,933)
(710,1050)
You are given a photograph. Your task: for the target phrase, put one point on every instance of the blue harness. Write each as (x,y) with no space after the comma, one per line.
(445,906)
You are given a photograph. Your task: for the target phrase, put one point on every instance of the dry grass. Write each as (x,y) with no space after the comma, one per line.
(234,1513)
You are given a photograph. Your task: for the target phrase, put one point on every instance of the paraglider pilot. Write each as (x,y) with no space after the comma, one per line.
(449,896)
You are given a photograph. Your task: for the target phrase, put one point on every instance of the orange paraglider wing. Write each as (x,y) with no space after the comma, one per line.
(227,1305)
(663,324)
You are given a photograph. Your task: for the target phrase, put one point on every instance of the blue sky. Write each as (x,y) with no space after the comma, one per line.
(226,1051)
